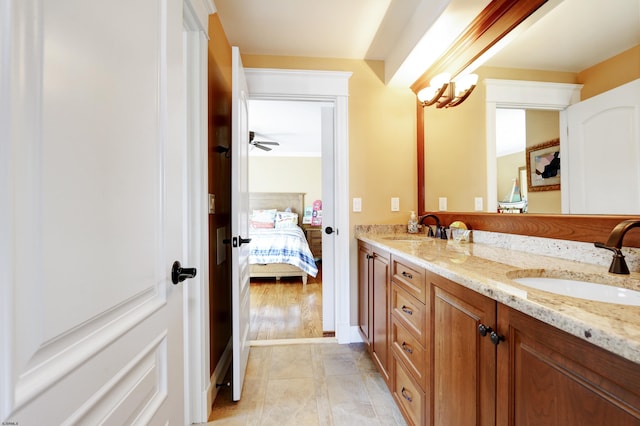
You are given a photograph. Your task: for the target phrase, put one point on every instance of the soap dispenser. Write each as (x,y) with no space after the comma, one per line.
(412,225)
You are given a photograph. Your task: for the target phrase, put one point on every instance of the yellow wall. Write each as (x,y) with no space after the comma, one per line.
(613,72)
(543,126)
(508,166)
(287,174)
(382,143)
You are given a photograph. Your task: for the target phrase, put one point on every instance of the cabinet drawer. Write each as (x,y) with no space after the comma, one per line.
(410,352)
(409,311)
(411,277)
(408,395)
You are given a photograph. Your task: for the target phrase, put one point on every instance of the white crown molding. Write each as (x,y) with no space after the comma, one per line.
(284,83)
(201,9)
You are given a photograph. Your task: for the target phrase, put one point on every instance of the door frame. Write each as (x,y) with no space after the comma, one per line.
(331,86)
(526,95)
(197,382)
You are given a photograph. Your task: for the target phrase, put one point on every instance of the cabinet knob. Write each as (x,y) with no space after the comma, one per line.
(484,330)
(496,338)
(407,275)
(406,348)
(407,310)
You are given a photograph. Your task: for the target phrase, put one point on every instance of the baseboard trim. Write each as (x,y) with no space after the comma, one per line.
(301,341)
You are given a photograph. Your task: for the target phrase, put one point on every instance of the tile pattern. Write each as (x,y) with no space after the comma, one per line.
(309,384)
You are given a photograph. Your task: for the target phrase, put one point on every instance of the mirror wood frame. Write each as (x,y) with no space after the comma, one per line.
(497,20)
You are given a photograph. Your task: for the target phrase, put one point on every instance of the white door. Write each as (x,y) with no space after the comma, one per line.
(602,155)
(91,187)
(328,219)
(239,223)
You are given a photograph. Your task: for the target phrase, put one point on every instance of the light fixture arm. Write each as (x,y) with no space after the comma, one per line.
(445,94)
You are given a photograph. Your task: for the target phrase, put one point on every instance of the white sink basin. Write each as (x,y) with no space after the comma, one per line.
(582,290)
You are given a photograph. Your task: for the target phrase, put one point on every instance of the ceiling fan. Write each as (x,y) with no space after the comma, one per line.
(260,144)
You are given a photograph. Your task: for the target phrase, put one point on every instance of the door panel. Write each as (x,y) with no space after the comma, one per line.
(604,153)
(239,223)
(328,219)
(94,189)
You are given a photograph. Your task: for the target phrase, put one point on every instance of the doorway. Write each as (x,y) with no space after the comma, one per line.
(287,156)
(331,86)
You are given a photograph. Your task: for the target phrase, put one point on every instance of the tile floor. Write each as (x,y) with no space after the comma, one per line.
(309,384)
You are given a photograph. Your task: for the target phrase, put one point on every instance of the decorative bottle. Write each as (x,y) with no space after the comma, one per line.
(412,225)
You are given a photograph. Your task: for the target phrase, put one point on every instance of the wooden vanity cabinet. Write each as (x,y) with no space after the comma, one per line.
(373,304)
(442,370)
(547,376)
(463,365)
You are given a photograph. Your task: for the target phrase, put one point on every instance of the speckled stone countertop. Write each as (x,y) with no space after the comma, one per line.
(488,268)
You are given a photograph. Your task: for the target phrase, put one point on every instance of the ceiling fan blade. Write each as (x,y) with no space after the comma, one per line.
(264,148)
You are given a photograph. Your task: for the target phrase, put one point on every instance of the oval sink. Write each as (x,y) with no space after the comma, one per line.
(582,289)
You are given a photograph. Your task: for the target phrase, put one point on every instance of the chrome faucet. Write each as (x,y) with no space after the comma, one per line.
(614,243)
(439,230)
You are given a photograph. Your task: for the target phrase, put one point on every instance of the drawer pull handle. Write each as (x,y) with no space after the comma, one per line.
(406,348)
(407,310)
(406,395)
(407,275)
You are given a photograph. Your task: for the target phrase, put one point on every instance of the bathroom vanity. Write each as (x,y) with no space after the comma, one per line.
(460,342)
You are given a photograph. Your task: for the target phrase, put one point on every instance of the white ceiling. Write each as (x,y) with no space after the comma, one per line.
(295,125)
(568,35)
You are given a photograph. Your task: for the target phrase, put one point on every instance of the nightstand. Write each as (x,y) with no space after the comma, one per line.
(314,238)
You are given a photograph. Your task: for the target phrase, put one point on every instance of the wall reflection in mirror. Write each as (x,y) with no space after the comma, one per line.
(516,130)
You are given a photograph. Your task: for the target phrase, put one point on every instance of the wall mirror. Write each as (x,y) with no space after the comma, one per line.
(517,55)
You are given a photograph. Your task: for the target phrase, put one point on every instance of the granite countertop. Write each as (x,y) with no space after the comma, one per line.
(488,270)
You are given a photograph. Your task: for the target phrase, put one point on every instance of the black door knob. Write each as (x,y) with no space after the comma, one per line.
(328,230)
(242,241)
(179,274)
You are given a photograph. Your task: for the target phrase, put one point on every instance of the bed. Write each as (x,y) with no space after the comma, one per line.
(282,251)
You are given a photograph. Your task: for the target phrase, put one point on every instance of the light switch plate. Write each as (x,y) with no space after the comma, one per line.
(395,204)
(478,204)
(442,204)
(357,204)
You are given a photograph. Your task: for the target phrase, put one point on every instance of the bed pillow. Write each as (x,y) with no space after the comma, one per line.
(263,218)
(286,220)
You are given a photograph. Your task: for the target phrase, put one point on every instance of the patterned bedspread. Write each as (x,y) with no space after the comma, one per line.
(287,245)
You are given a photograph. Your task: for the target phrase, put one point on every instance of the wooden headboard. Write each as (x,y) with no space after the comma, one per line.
(278,200)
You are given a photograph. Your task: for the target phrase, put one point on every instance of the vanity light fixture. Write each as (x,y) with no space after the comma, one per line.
(447,93)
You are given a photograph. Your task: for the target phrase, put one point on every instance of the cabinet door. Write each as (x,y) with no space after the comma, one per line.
(380,287)
(546,376)
(364,291)
(464,363)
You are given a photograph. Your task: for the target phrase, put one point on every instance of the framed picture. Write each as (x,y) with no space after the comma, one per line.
(543,166)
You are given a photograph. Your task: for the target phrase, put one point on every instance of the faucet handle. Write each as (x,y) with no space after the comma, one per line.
(618,264)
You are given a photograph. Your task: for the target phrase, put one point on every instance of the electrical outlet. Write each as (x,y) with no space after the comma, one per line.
(395,204)
(442,204)
(478,204)
(357,204)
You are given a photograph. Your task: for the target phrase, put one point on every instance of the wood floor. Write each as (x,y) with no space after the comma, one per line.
(286,309)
